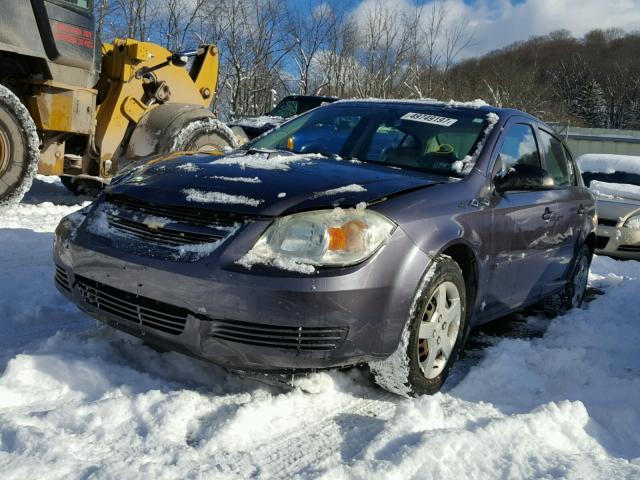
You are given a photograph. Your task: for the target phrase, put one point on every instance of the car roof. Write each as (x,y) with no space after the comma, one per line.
(311,97)
(473,106)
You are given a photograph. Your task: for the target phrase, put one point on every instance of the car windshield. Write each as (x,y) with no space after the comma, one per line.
(422,137)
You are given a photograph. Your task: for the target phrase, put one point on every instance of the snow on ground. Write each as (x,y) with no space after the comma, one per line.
(531,398)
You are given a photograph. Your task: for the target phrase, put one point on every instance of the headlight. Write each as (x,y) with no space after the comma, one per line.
(633,222)
(323,238)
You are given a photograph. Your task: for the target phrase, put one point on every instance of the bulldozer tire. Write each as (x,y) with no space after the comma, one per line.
(82,186)
(19,148)
(203,135)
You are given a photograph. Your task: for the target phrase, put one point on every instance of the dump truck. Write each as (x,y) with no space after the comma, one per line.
(74,107)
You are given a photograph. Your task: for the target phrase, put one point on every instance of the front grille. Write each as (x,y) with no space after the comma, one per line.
(189,215)
(607,222)
(135,308)
(295,338)
(601,242)
(160,235)
(62,279)
(629,248)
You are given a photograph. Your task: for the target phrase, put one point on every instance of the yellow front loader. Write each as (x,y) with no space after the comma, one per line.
(71,109)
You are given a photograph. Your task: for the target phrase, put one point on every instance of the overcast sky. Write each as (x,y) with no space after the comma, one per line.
(498,23)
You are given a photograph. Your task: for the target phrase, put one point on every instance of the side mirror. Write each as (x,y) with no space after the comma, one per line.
(523,177)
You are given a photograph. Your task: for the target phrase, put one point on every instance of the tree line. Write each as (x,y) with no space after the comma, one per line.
(270,48)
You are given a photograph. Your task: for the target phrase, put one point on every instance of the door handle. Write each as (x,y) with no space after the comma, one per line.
(546,216)
(581,210)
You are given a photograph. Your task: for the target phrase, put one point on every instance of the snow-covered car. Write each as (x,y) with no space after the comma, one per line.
(426,219)
(288,107)
(615,181)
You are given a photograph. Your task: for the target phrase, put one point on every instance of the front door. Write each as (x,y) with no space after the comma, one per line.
(522,229)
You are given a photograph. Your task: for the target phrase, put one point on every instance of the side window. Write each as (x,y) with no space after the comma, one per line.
(520,147)
(557,164)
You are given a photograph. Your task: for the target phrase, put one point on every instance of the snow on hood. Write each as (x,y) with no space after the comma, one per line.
(623,191)
(279,182)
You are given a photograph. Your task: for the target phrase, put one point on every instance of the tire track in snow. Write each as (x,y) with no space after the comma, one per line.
(310,445)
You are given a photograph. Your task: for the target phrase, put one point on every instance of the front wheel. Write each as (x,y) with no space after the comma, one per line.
(19,148)
(433,337)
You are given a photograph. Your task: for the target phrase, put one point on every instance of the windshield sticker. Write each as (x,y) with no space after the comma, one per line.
(432,119)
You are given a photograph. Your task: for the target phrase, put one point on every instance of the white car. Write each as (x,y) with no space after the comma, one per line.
(615,181)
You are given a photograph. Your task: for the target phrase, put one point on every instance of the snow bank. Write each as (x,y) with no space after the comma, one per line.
(608,163)
(200,196)
(89,402)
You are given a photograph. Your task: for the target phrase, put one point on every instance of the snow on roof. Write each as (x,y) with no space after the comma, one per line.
(608,163)
(258,122)
(199,196)
(477,103)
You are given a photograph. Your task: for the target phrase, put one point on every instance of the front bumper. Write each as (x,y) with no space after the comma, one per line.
(243,320)
(619,242)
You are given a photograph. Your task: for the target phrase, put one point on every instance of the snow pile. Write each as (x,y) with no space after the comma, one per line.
(337,191)
(265,161)
(89,402)
(199,196)
(615,190)
(608,163)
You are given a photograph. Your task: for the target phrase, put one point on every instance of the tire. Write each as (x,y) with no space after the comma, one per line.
(433,336)
(206,134)
(82,186)
(19,148)
(572,295)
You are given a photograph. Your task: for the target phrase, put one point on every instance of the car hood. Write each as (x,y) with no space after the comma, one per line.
(616,201)
(265,183)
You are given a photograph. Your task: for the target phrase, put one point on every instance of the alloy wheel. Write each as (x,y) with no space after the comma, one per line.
(439,329)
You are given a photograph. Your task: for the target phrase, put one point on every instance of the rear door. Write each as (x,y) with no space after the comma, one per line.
(522,226)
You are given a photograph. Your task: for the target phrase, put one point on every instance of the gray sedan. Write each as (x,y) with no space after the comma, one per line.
(372,232)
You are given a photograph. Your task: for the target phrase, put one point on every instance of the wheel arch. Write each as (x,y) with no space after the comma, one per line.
(463,254)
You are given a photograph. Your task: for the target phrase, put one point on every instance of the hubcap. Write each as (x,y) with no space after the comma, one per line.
(439,329)
(580,281)
(5,152)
